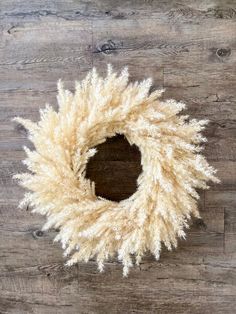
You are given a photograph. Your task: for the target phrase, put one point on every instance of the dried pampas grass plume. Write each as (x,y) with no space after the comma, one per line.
(172,168)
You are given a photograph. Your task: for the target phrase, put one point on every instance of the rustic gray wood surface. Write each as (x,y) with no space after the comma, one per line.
(189,47)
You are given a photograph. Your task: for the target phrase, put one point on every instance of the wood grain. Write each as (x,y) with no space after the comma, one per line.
(188,47)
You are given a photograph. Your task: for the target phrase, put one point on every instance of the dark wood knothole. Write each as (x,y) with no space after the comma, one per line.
(115,168)
(108,47)
(38,234)
(223,52)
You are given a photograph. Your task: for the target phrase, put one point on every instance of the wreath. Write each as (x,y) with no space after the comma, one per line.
(172,168)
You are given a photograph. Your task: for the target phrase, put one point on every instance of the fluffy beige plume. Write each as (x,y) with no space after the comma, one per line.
(172,168)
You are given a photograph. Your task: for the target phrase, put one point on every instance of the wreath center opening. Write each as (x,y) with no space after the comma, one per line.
(115,168)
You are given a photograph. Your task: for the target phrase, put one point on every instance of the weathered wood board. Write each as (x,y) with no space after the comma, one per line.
(188,47)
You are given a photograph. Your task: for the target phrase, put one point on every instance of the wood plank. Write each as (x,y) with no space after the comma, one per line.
(220,198)
(230,221)
(172,46)
(36,50)
(204,292)
(181,11)
(230,243)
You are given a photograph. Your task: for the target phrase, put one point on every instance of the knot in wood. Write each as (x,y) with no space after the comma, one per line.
(38,234)
(108,47)
(223,52)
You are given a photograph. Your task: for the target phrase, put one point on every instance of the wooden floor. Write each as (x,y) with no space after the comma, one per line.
(189,47)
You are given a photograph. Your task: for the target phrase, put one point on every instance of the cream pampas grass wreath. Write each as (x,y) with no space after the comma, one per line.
(172,168)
